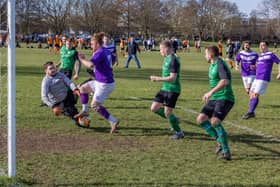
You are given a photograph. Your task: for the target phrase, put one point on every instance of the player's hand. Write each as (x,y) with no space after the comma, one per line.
(76,92)
(252,67)
(278,76)
(206,96)
(75,77)
(153,78)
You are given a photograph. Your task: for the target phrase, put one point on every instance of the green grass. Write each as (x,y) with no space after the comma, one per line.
(51,151)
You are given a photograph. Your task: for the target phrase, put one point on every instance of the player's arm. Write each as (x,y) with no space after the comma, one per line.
(171,78)
(85,62)
(277,60)
(68,82)
(58,64)
(44,93)
(174,70)
(224,76)
(77,66)
(115,54)
(238,60)
(278,75)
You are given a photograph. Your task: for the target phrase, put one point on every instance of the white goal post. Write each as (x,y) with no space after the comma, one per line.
(11,90)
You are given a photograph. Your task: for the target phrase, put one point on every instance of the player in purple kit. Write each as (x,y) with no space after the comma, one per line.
(104,83)
(107,44)
(263,75)
(248,59)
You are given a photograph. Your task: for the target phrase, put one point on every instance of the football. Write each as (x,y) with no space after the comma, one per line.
(84,121)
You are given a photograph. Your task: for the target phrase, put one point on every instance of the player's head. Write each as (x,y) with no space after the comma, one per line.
(68,43)
(165,47)
(49,68)
(246,45)
(229,40)
(97,41)
(263,46)
(63,39)
(211,53)
(106,39)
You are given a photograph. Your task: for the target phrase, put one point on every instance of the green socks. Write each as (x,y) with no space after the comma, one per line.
(174,123)
(160,112)
(172,120)
(222,137)
(206,125)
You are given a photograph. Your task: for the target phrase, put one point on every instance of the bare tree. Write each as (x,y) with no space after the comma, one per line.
(209,18)
(29,17)
(56,14)
(149,17)
(3,15)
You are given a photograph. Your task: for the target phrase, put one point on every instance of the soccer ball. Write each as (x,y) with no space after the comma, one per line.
(84,121)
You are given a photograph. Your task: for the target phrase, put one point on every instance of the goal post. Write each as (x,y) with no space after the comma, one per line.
(11,90)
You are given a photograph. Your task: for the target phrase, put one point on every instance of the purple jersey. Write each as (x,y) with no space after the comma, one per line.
(102,60)
(113,50)
(247,58)
(264,65)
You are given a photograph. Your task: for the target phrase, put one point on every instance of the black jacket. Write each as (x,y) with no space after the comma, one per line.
(132,48)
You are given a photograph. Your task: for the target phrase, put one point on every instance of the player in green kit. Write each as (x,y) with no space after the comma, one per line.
(219,101)
(165,100)
(69,60)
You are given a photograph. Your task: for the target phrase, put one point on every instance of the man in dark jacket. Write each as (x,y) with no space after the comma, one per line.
(131,50)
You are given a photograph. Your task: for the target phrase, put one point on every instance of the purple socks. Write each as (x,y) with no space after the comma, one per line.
(84,98)
(253,104)
(103,112)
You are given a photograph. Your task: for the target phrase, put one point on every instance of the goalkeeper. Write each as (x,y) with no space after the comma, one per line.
(55,94)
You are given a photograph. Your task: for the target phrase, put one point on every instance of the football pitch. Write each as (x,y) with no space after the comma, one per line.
(52,151)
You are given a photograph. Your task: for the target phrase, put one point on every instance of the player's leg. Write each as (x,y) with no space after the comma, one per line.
(128,60)
(85,89)
(157,105)
(174,123)
(203,119)
(136,61)
(170,99)
(100,95)
(258,87)
(221,110)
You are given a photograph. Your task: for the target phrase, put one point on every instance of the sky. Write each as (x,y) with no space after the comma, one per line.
(246,6)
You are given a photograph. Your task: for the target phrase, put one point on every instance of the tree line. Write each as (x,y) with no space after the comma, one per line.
(205,19)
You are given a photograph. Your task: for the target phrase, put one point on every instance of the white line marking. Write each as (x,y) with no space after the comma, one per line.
(242,127)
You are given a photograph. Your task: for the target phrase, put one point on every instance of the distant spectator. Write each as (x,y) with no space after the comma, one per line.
(131,50)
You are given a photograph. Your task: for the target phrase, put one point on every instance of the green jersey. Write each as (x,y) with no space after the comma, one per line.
(217,71)
(68,58)
(171,64)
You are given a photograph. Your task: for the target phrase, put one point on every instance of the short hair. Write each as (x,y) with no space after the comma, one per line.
(47,64)
(214,50)
(166,44)
(98,37)
(246,42)
(266,42)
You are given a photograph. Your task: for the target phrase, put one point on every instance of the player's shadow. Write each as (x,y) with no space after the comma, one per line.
(251,140)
